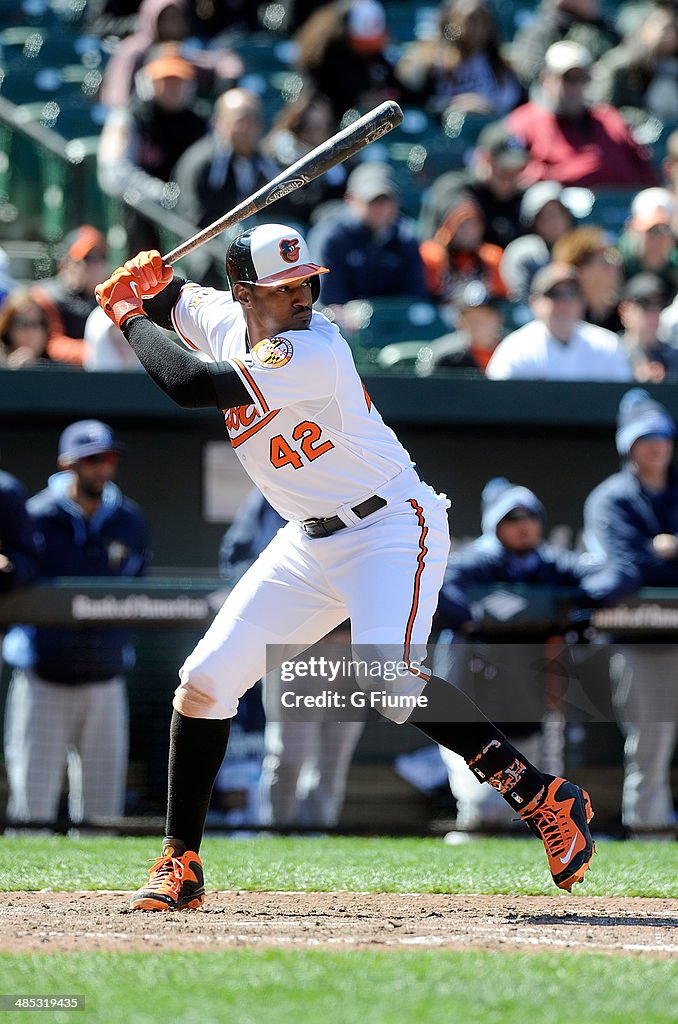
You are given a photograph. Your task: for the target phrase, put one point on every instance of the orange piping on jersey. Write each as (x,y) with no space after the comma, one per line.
(183,336)
(368,400)
(252,383)
(235,441)
(421,559)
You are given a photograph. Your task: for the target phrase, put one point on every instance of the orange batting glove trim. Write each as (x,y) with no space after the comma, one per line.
(119,297)
(149,272)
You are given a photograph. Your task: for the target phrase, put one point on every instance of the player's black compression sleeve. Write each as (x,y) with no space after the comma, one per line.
(160,307)
(186,379)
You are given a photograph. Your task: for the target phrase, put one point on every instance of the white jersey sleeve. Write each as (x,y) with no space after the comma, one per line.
(203,316)
(291,368)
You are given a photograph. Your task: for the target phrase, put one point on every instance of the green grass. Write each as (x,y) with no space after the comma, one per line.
(258,987)
(297,986)
(330,864)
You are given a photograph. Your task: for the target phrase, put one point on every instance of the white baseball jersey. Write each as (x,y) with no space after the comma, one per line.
(311,439)
(531,353)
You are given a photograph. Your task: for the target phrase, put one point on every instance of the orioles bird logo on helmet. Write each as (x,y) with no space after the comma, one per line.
(289,249)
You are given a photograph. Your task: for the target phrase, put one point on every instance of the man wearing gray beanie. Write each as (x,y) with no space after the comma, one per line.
(631,519)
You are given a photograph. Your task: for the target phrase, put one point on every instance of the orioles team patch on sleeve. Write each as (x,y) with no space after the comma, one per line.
(273,352)
(197,297)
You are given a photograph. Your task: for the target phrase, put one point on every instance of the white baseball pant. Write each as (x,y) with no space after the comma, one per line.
(50,727)
(645,697)
(383,572)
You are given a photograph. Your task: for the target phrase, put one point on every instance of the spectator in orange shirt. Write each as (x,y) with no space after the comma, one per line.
(68,298)
(457,255)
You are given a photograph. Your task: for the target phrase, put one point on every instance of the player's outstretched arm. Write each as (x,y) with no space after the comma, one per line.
(187,380)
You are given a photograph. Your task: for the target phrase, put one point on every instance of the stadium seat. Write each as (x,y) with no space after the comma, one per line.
(260,53)
(655,139)
(610,209)
(508,15)
(383,321)
(71,115)
(399,355)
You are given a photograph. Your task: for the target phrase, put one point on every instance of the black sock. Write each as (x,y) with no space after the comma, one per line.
(197,748)
(453,720)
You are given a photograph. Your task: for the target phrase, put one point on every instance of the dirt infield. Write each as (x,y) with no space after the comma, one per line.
(61,922)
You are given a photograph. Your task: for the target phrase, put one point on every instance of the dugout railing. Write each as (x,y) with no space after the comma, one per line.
(169,614)
(48,185)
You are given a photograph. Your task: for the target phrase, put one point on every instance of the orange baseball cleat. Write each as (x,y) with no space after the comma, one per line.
(562,823)
(175,883)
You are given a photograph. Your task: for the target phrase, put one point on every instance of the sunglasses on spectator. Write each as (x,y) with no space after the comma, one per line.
(100,457)
(95,256)
(518,514)
(563,294)
(22,321)
(662,230)
(650,305)
(576,77)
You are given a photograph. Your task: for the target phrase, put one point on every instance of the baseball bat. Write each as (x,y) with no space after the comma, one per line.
(368,128)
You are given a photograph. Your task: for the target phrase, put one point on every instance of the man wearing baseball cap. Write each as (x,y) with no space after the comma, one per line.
(480,323)
(546,216)
(571,140)
(492,181)
(142,142)
(631,519)
(370,245)
(67,700)
(558,344)
(68,297)
(648,244)
(643,299)
(273,359)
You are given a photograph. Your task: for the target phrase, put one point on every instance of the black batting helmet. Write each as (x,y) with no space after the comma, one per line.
(269,255)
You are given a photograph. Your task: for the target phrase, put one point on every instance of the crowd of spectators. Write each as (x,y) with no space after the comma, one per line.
(505,244)
(559,111)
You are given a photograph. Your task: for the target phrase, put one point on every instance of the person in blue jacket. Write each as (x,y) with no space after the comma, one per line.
(67,702)
(631,519)
(17,538)
(371,246)
(510,550)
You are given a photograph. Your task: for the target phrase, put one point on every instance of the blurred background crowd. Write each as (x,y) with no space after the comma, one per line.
(521,224)
(534,133)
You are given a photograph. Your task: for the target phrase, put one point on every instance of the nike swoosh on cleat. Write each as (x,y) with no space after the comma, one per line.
(568,856)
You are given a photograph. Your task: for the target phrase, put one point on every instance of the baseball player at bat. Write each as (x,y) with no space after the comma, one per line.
(365,538)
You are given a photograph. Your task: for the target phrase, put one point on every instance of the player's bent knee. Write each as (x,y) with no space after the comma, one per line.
(389,683)
(195,697)
(192,704)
